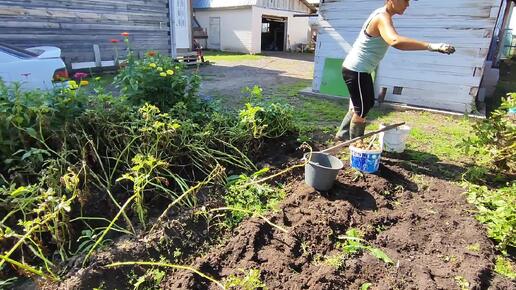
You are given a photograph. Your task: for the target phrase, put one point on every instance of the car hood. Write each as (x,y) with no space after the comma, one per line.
(46,51)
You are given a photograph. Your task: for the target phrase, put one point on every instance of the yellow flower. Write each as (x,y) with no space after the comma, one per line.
(84,83)
(159,69)
(73,85)
(153,65)
(170,72)
(163,74)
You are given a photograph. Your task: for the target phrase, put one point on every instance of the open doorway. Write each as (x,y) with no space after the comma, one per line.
(273,33)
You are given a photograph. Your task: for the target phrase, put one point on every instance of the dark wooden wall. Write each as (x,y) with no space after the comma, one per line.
(76,25)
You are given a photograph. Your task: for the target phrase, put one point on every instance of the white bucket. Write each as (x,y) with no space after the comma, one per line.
(394,140)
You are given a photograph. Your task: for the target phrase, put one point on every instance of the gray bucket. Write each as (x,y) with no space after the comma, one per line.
(321,171)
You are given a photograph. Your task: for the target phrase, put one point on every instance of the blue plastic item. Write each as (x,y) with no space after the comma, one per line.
(367,161)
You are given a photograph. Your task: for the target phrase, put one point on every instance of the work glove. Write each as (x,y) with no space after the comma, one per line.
(441,47)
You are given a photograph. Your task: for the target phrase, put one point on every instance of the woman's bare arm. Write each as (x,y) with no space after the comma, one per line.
(391,36)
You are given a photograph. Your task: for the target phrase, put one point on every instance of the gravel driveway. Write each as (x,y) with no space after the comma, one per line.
(226,79)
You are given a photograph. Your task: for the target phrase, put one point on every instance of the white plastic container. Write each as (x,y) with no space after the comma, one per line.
(394,140)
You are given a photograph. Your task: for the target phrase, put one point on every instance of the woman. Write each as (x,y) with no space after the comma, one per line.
(377,34)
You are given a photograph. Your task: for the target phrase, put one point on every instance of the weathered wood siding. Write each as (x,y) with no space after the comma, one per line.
(428,79)
(76,25)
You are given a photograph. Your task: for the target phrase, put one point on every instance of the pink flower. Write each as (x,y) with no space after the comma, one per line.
(80,75)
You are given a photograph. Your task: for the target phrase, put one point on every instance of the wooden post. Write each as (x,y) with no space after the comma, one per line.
(172,16)
(96,52)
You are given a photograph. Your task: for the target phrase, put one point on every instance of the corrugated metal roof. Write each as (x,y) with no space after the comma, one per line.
(199,4)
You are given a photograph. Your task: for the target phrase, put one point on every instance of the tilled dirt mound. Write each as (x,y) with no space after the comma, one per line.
(430,235)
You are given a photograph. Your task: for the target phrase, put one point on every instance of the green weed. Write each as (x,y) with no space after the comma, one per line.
(496,209)
(243,192)
(505,268)
(474,247)
(354,244)
(250,281)
(462,283)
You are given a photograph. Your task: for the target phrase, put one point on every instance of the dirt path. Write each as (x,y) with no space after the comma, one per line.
(433,240)
(228,78)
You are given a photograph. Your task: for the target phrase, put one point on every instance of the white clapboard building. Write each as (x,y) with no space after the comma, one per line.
(253,26)
(418,78)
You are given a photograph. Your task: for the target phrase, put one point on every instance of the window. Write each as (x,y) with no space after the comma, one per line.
(265,27)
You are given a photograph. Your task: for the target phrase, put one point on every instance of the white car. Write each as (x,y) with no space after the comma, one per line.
(34,68)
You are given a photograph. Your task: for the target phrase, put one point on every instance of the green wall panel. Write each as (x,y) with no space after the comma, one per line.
(332,82)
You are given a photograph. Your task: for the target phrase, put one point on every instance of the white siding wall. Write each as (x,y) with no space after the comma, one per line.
(235,27)
(183,22)
(428,79)
(297,27)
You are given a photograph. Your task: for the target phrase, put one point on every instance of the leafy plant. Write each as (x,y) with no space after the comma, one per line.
(504,267)
(150,280)
(243,192)
(497,209)
(249,281)
(354,244)
(157,80)
(462,283)
(494,142)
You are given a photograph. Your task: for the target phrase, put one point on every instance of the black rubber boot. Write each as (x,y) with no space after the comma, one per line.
(343,132)
(356,130)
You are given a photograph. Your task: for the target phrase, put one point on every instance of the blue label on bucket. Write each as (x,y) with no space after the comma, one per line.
(366,162)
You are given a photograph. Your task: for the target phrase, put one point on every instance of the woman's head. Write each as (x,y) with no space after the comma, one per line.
(397,6)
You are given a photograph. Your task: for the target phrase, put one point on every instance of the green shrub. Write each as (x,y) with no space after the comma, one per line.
(496,209)
(494,141)
(157,80)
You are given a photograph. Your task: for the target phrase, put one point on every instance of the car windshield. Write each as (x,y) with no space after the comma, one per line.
(16,51)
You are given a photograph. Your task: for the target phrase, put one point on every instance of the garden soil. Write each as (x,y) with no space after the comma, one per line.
(426,227)
(427,232)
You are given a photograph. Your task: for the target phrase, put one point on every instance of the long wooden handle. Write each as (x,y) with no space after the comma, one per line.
(386,128)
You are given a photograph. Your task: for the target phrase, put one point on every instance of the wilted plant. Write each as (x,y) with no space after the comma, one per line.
(242,193)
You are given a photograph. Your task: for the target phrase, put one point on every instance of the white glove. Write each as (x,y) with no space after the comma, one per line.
(441,47)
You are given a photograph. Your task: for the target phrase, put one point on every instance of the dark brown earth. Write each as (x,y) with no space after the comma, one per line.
(425,227)
(426,233)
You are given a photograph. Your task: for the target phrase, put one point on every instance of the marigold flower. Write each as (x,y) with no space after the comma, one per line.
(163,74)
(170,72)
(160,69)
(151,53)
(153,65)
(114,40)
(73,85)
(84,83)
(125,34)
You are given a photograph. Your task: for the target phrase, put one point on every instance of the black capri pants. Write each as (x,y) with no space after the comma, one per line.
(361,89)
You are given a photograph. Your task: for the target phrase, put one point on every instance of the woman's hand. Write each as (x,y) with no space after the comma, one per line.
(441,47)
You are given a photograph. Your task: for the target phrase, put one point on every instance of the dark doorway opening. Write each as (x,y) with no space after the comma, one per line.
(273,33)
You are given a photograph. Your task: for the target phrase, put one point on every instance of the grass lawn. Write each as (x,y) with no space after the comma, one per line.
(434,137)
(216,55)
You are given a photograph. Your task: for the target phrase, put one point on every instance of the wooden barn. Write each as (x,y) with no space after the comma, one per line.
(84,29)
(455,83)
